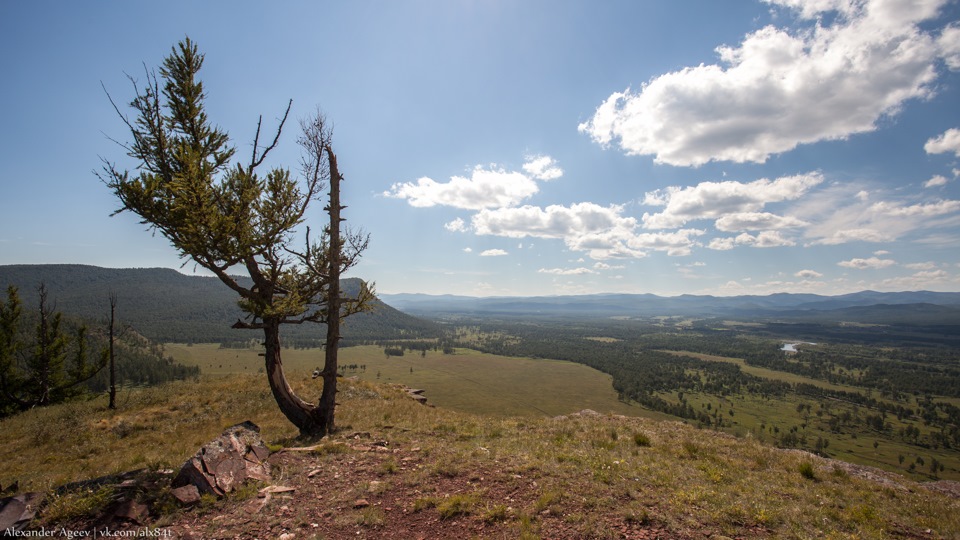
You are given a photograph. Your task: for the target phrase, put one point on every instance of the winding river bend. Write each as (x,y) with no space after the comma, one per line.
(792,347)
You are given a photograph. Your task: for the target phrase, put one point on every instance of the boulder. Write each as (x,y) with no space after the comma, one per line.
(222,464)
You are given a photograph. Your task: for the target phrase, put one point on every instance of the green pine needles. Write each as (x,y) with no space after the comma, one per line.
(47,369)
(232,217)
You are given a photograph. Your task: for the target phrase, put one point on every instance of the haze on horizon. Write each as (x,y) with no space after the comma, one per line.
(535,148)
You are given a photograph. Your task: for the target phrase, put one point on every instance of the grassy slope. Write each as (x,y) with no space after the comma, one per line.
(481,383)
(591,476)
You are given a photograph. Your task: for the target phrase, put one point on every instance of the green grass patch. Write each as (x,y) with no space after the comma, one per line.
(468,381)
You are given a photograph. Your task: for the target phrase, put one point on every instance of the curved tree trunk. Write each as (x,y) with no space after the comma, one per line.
(302,414)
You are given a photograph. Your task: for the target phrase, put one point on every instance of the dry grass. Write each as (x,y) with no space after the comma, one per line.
(582,472)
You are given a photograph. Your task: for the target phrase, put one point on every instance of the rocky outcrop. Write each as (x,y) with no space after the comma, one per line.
(18,510)
(417,395)
(224,463)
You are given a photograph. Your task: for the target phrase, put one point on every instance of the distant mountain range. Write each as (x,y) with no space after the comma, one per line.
(165,305)
(919,307)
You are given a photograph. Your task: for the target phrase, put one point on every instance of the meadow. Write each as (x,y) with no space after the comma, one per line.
(467,381)
(489,384)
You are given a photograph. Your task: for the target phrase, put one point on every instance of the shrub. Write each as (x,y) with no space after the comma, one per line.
(641,439)
(83,503)
(457,505)
(495,513)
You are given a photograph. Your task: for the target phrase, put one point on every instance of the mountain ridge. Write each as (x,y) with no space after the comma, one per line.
(646,304)
(166,305)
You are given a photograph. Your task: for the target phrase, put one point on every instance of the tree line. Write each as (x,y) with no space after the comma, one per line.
(47,357)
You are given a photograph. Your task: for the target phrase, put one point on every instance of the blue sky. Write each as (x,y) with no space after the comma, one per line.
(536,147)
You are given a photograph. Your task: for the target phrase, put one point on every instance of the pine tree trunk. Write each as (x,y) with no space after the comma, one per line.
(113,366)
(43,350)
(328,398)
(300,413)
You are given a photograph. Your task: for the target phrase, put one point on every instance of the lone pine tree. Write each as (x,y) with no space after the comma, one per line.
(227,216)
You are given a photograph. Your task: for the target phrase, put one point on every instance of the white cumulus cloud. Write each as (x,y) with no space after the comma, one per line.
(845,236)
(599,265)
(602,232)
(764,239)
(555,221)
(719,200)
(755,221)
(946,142)
(782,87)
(457,225)
(808,274)
(485,188)
(542,168)
(493,253)
(677,243)
(864,264)
(935,181)
(938,208)
(949,43)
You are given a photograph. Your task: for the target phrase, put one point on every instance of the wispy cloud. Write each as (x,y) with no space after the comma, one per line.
(566,271)
(929,279)
(935,181)
(840,214)
(829,82)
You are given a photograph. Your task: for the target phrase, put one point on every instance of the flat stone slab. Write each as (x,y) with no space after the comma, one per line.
(17,511)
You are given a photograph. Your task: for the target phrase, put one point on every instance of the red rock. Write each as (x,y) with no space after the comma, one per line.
(187,494)
(132,511)
(227,461)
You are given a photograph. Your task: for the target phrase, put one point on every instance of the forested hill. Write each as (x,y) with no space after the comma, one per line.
(917,308)
(165,305)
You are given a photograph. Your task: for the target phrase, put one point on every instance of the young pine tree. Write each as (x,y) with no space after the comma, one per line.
(228,217)
(48,370)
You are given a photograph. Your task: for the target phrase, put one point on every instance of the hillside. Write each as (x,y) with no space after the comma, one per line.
(167,306)
(398,469)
